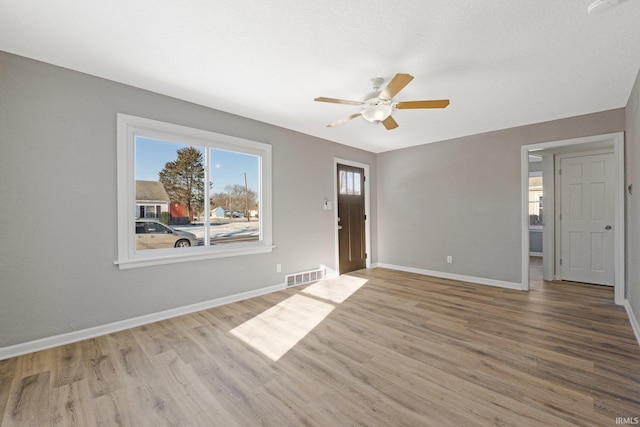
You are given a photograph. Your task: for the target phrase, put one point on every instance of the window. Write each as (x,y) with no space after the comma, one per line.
(535,200)
(149,211)
(186,194)
(350,183)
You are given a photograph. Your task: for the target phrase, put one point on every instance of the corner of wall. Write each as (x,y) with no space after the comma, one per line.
(635,325)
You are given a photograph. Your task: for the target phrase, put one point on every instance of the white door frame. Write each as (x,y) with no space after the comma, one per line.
(367,208)
(549,231)
(581,144)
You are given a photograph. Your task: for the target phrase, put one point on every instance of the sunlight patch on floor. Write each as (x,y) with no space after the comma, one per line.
(336,290)
(278,329)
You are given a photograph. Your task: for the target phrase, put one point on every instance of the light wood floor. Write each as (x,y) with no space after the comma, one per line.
(402,350)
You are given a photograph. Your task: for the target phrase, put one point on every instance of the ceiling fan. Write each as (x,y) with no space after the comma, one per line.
(378,109)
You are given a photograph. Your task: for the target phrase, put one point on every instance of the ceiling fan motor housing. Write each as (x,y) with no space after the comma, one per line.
(376,83)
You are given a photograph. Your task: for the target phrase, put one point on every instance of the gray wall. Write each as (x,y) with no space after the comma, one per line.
(58,209)
(462,198)
(632,159)
(535,241)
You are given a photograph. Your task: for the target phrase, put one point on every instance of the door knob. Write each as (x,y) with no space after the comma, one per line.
(607,227)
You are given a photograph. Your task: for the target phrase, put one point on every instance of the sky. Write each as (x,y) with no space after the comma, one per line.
(228,168)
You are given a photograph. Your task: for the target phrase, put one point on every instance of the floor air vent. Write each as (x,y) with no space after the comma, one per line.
(305,277)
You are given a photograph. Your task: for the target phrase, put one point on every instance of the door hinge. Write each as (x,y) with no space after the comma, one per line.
(364,178)
(365,256)
(560,217)
(560,261)
(559,171)
(365,217)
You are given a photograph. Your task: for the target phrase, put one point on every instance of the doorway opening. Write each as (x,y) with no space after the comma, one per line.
(560,233)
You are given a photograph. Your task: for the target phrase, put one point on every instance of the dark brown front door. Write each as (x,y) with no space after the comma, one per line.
(351,219)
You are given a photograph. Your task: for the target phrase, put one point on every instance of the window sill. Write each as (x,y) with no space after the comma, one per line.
(153,260)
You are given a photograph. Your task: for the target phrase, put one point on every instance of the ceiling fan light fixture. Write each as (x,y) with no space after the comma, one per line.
(377,110)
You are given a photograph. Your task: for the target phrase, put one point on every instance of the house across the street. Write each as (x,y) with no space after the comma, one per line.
(151,199)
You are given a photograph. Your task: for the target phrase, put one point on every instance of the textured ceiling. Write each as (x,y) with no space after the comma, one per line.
(503,63)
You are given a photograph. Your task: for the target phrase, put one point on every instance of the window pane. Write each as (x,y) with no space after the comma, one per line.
(343,182)
(235,197)
(356,183)
(170,190)
(349,182)
(535,200)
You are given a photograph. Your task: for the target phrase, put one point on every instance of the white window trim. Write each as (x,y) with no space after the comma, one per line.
(128,127)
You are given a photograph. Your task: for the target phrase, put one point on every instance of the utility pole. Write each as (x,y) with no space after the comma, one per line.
(246,198)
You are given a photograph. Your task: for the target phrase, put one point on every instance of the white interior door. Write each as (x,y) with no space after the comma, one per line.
(587,216)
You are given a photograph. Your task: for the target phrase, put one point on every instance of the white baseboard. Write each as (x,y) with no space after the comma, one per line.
(460,277)
(635,325)
(75,336)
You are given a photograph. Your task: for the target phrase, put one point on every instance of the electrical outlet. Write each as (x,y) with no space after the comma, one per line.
(449,259)
(278,268)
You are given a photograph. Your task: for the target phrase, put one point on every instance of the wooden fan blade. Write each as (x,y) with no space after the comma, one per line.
(344,120)
(434,103)
(338,101)
(396,84)
(390,123)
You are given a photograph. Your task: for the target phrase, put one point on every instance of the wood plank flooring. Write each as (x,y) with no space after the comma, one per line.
(401,350)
